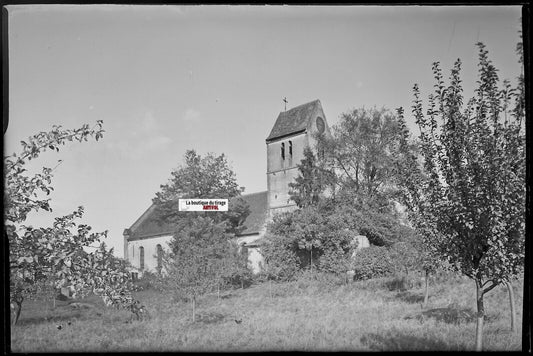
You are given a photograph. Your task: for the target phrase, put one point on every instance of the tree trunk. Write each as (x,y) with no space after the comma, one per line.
(270,287)
(193,309)
(16,308)
(311,260)
(511,302)
(480,315)
(426,292)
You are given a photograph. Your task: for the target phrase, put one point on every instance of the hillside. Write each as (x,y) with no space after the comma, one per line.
(307,315)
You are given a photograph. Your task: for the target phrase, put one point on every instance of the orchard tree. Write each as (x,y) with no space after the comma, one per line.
(470,199)
(54,257)
(202,256)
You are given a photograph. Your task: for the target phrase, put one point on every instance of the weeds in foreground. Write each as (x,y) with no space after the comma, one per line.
(314,314)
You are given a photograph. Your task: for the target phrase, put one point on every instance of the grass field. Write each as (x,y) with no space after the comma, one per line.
(307,315)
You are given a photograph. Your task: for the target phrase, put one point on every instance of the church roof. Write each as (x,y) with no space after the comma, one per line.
(258,212)
(150,223)
(295,120)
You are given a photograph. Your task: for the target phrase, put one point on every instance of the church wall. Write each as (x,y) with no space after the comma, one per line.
(150,251)
(255,258)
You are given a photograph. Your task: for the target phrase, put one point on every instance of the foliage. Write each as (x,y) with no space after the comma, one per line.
(53,257)
(380,227)
(372,262)
(149,280)
(470,201)
(311,181)
(280,257)
(202,258)
(363,154)
(310,238)
(235,271)
(203,178)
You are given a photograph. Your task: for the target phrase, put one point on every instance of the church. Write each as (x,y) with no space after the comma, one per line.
(293,130)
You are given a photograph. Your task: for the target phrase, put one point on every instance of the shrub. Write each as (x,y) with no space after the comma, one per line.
(308,238)
(281,262)
(372,262)
(400,283)
(146,282)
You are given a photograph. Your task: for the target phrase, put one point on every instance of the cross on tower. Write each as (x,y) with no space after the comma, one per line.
(285,101)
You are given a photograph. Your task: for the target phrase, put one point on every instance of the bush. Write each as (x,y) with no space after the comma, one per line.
(372,262)
(146,282)
(281,262)
(400,283)
(308,238)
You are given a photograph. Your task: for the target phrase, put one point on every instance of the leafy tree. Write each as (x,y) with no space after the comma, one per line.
(203,178)
(53,257)
(382,228)
(470,199)
(311,181)
(310,237)
(362,153)
(202,256)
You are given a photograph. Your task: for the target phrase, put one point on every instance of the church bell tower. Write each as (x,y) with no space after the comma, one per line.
(293,131)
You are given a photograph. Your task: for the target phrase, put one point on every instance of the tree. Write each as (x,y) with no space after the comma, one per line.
(311,182)
(470,199)
(203,178)
(362,153)
(54,256)
(310,237)
(202,256)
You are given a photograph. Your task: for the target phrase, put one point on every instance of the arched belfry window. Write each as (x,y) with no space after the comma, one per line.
(290,149)
(159,257)
(283,150)
(320,125)
(141,257)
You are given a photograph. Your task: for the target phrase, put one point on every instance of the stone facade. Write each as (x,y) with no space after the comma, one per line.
(143,253)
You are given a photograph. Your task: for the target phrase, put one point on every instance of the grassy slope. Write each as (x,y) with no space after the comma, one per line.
(300,316)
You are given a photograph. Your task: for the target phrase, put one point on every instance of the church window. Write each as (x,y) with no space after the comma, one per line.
(141,257)
(283,150)
(320,126)
(159,257)
(290,149)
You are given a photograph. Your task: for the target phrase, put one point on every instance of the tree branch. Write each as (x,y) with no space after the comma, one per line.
(490,288)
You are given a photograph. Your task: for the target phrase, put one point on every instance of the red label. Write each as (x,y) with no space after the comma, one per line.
(210,207)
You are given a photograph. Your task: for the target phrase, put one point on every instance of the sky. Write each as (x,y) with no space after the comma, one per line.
(168,78)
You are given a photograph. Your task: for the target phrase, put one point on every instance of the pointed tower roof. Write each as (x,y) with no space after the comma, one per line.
(295,120)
